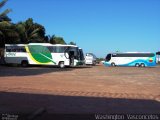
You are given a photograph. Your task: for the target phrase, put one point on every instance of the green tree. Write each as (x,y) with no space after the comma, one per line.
(30,32)
(3,15)
(7,29)
(56,40)
(72,43)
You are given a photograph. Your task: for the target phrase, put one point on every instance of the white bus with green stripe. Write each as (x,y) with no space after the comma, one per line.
(43,54)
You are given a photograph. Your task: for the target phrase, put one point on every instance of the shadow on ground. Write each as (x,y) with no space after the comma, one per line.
(33,70)
(7,71)
(40,106)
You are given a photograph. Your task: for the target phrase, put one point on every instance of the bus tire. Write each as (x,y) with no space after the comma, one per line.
(137,65)
(24,63)
(61,65)
(142,65)
(113,64)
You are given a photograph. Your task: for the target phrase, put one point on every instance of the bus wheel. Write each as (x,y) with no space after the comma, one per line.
(61,64)
(137,65)
(142,65)
(113,64)
(24,63)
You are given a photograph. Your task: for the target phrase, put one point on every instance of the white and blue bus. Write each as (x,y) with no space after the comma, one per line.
(136,59)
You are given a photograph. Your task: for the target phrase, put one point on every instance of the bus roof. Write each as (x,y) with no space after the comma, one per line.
(45,44)
(15,44)
(48,44)
(64,45)
(128,52)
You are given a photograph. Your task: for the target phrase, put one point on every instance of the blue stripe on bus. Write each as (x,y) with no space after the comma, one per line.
(146,62)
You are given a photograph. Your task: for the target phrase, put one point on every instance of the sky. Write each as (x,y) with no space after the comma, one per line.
(97,26)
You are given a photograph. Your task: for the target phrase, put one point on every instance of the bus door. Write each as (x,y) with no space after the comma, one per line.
(71,57)
(69,54)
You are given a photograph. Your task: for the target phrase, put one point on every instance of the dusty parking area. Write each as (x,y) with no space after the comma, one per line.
(95,89)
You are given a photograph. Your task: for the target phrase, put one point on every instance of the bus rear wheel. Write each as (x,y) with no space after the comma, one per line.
(24,63)
(61,65)
(142,65)
(113,64)
(137,65)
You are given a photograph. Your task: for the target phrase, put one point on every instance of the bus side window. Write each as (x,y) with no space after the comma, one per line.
(114,55)
(8,49)
(89,55)
(51,49)
(54,49)
(17,50)
(60,49)
(13,50)
(23,49)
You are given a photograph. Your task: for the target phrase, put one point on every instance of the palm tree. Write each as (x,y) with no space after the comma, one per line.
(31,32)
(2,24)
(3,17)
(8,33)
(56,40)
(72,43)
(7,29)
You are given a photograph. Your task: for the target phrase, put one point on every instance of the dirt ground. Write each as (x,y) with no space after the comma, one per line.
(81,90)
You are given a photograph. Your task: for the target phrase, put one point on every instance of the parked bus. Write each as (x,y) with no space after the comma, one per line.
(131,59)
(42,54)
(90,59)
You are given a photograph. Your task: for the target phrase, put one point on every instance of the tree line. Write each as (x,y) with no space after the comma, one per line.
(24,32)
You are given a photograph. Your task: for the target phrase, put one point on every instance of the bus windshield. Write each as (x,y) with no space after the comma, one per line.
(72,52)
(81,54)
(108,57)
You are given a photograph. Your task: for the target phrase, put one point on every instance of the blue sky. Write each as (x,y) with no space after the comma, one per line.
(98,26)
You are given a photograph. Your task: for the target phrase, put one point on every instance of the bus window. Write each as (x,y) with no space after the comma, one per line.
(108,58)
(21,49)
(8,49)
(15,49)
(36,49)
(133,55)
(74,49)
(60,49)
(89,55)
(50,48)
